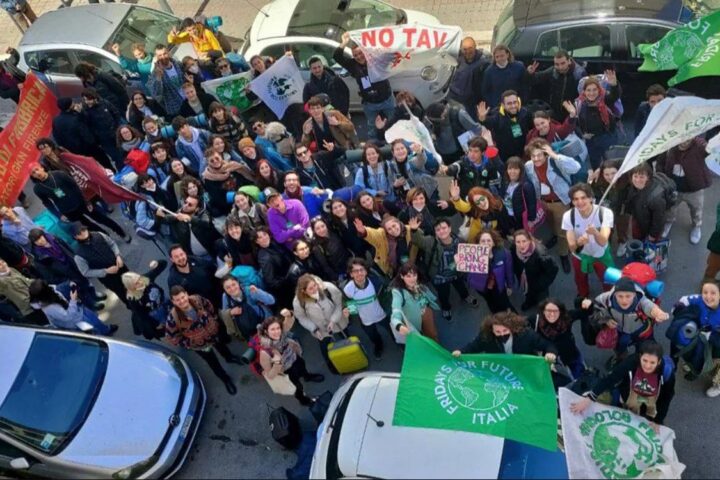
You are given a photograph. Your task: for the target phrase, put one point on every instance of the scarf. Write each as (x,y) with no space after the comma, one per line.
(134,143)
(284,346)
(222,173)
(54,250)
(296,195)
(599,103)
(524,257)
(553,330)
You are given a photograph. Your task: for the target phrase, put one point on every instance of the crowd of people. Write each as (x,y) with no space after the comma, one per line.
(266,222)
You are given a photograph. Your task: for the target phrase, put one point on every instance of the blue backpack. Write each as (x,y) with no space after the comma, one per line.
(247,276)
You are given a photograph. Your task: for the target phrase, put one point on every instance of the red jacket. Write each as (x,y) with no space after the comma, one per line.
(557,130)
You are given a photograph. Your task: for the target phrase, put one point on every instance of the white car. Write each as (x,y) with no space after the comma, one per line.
(358,440)
(313,29)
(82,406)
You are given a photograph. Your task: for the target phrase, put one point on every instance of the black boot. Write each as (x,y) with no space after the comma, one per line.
(230,387)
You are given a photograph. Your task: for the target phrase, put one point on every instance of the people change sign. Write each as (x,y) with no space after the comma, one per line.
(610,442)
(391,50)
(509,396)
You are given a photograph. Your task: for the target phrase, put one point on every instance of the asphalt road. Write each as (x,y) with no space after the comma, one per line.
(234,440)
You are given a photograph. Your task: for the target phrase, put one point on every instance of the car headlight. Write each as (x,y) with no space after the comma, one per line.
(429,73)
(134,471)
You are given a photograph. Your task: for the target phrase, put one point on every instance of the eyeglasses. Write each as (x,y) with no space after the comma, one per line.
(357,270)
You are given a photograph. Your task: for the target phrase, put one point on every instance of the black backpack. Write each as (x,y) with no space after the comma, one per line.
(666,187)
(285,428)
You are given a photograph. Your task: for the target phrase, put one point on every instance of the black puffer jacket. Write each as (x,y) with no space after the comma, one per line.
(648,208)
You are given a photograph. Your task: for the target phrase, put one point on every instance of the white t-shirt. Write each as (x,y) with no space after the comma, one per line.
(368,306)
(592,248)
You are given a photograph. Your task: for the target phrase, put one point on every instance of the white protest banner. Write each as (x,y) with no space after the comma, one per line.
(473,258)
(713,159)
(413,131)
(279,86)
(670,123)
(610,442)
(230,90)
(402,48)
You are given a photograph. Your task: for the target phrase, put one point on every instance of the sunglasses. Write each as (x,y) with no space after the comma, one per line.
(480,199)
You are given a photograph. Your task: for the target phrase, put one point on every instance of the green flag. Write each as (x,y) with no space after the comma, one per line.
(230,90)
(691,49)
(508,396)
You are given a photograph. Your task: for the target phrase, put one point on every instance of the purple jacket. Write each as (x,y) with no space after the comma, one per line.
(501,265)
(282,225)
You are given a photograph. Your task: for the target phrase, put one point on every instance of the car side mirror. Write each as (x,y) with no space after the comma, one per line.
(19,463)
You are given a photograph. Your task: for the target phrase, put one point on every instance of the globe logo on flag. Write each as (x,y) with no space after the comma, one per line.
(620,447)
(484,388)
(281,87)
(478,390)
(683,43)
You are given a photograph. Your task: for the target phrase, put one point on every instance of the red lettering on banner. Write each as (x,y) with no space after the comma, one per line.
(424,39)
(409,32)
(440,38)
(369,38)
(32,120)
(386,37)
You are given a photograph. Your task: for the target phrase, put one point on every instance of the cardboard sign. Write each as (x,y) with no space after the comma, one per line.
(473,258)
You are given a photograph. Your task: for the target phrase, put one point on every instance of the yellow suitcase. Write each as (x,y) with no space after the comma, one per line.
(347,355)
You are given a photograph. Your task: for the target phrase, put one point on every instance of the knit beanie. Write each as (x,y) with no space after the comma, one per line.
(245,142)
(625,285)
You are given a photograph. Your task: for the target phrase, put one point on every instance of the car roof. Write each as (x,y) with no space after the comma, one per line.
(534,12)
(366,450)
(85,25)
(275,21)
(15,343)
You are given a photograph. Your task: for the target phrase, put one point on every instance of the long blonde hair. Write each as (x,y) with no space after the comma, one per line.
(302,284)
(129,279)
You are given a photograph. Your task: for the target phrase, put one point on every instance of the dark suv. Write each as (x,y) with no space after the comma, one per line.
(600,33)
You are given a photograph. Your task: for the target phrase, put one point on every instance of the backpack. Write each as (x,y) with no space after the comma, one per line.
(255,344)
(247,275)
(128,209)
(667,187)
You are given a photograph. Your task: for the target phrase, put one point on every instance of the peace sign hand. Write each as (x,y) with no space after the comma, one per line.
(454,190)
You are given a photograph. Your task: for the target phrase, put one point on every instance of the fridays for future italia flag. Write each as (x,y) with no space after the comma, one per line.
(509,396)
(610,442)
(391,50)
(693,49)
(230,90)
(279,86)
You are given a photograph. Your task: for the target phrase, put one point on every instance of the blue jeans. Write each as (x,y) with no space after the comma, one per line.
(98,326)
(371,110)
(598,145)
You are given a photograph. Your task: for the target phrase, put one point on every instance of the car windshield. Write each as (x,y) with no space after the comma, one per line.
(313,17)
(144,26)
(53,391)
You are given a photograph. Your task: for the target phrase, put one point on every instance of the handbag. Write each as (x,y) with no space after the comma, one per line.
(540,215)
(281,384)
(464,230)
(607,338)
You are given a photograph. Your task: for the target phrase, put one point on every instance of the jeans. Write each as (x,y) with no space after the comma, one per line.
(598,145)
(373,333)
(97,324)
(694,201)
(213,362)
(386,107)
(443,290)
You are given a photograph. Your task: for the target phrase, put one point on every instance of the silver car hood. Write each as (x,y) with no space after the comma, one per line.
(131,414)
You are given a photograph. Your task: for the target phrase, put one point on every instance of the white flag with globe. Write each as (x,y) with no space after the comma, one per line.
(610,442)
(279,86)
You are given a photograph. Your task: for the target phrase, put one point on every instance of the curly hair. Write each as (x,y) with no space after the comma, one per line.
(514,322)
(495,202)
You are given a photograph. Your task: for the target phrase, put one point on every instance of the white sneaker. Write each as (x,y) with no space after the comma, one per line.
(713,391)
(695,235)
(666,230)
(621,250)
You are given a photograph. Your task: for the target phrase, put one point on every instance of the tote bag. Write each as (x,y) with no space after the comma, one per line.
(281,384)
(540,215)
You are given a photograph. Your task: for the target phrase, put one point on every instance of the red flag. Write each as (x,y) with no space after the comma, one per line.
(89,174)
(32,120)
